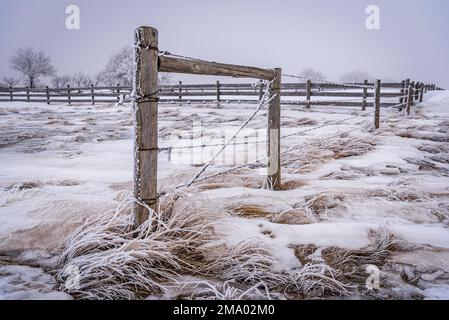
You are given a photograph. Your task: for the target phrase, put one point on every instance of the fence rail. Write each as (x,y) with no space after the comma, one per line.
(351,96)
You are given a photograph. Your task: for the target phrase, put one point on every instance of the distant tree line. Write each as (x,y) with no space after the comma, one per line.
(33,66)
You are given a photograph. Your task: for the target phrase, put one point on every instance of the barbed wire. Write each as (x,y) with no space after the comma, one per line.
(325,101)
(342,84)
(258,162)
(266,99)
(337,122)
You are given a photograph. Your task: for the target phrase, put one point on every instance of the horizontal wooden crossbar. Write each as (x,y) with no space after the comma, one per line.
(176,65)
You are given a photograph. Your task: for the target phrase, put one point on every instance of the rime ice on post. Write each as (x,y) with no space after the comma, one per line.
(145,122)
(274,133)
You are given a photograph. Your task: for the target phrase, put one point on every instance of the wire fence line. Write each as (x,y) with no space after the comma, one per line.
(262,161)
(342,84)
(259,162)
(265,101)
(336,122)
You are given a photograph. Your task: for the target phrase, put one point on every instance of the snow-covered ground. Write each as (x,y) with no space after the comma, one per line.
(61,164)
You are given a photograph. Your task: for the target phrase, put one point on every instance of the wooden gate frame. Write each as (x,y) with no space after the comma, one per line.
(148,63)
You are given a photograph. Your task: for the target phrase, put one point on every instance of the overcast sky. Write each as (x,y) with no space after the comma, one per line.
(328,35)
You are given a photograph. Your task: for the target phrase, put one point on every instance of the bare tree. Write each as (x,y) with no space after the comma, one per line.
(312,74)
(9,81)
(119,69)
(32,65)
(61,81)
(80,79)
(356,77)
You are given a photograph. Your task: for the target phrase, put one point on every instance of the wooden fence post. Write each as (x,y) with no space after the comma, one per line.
(218,93)
(407,85)
(308,93)
(402,98)
(92,94)
(421,93)
(69,99)
(28,93)
(409,98)
(417,86)
(377,104)
(146,124)
(274,134)
(180,92)
(365,94)
(260,90)
(10,93)
(413,95)
(47,91)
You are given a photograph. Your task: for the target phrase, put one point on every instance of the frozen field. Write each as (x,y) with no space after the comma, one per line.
(60,165)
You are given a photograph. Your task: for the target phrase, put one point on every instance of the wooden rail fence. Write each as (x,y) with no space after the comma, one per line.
(327,94)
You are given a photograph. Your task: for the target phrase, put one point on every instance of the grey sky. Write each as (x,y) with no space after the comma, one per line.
(328,35)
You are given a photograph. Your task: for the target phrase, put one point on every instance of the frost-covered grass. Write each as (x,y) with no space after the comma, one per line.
(66,171)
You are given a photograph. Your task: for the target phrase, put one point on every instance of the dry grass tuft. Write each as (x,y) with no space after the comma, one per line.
(434,148)
(294,123)
(294,217)
(400,190)
(113,261)
(229,290)
(430,136)
(321,203)
(349,266)
(441,158)
(313,280)
(340,175)
(442,212)
(250,210)
(325,150)
(117,262)
(292,184)
(311,210)
(241,179)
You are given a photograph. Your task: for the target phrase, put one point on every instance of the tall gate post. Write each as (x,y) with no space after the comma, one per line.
(274,134)
(146,125)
